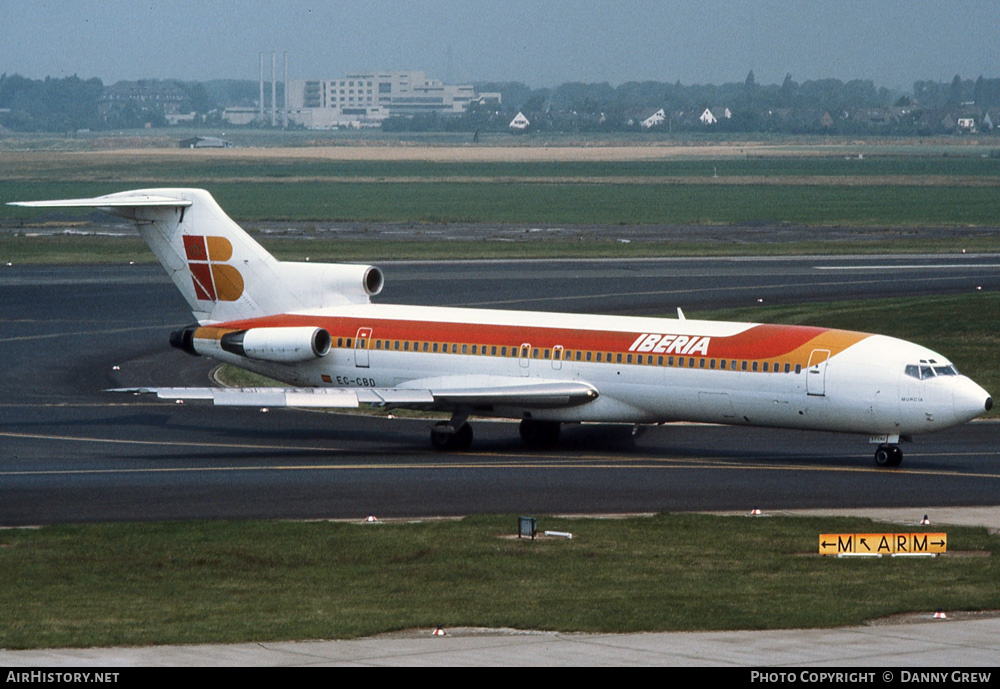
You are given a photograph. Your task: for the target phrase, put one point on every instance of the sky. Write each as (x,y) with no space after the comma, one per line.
(542,43)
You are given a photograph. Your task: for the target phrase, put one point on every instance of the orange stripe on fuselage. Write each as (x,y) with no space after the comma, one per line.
(757,342)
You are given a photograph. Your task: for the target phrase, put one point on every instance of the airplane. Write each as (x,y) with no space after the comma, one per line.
(314,328)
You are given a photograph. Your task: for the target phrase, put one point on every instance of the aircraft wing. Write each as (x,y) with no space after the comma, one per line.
(448,392)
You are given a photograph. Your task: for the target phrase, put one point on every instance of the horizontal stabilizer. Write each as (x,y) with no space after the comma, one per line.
(109,201)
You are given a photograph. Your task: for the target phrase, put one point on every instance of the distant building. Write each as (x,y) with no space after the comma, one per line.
(709,118)
(146,95)
(520,122)
(967,124)
(658,117)
(367,98)
(240,116)
(205,142)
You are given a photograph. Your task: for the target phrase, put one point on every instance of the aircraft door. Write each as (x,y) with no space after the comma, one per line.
(524,358)
(557,357)
(361,343)
(816,373)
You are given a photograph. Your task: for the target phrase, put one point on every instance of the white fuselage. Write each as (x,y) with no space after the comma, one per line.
(646,370)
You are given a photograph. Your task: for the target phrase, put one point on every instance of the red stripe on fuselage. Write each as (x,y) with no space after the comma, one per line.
(756,342)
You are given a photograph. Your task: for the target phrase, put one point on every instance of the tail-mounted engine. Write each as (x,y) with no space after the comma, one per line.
(280,345)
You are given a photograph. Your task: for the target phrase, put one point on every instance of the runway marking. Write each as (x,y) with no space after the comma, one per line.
(501,461)
(697,290)
(948,266)
(49,336)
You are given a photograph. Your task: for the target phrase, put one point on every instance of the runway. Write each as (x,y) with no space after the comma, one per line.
(73,453)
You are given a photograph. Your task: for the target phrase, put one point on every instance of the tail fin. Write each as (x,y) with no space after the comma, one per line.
(223,273)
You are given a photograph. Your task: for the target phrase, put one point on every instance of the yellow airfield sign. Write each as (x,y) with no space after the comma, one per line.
(883,543)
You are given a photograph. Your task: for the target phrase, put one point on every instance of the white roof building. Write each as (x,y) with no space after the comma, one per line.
(370,97)
(709,118)
(519,122)
(658,117)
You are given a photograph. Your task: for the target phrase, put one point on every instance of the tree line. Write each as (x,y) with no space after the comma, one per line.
(71,104)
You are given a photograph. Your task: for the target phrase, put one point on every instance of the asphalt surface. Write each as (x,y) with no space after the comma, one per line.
(70,452)
(73,453)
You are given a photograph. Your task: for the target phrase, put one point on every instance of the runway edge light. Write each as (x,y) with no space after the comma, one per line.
(939,615)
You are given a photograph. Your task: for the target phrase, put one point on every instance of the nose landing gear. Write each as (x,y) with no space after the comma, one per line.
(888,456)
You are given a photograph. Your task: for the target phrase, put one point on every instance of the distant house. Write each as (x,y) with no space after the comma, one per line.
(709,118)
(966,124)
(658,117)
(520,122)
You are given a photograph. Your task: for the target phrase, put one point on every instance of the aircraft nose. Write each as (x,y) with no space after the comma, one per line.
(971,401)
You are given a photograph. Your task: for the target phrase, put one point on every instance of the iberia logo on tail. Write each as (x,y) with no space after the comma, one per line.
(213,278)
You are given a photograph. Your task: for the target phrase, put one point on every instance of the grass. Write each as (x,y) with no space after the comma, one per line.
(75,249)
(200,582)
(560,204)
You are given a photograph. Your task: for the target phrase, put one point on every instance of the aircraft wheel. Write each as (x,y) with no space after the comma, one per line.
(888,456)
(462,437)
(444,439)
(539,433)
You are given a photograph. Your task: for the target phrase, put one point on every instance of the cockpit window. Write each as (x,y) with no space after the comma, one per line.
(925,371)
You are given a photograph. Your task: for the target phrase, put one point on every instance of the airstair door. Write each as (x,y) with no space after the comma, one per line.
(361,346)
(816,373)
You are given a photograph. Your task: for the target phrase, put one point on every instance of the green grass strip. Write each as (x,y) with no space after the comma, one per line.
(201,582)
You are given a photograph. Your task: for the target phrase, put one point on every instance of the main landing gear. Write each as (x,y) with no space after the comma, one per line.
(888,456)
(456,435)
(446,437)
(539,434)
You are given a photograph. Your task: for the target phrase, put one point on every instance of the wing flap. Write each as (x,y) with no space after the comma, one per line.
(540,395)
